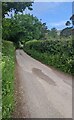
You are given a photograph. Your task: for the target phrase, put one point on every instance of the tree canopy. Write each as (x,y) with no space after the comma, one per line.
(68,23)
(66,32)
(53,32)
(16,6)
(23,27)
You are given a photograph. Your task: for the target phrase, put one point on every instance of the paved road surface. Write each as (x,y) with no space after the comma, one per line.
(41,92)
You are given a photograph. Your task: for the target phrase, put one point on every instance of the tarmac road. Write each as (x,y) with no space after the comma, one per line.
(41,91)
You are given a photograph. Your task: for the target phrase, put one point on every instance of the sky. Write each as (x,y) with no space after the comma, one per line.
(55,14)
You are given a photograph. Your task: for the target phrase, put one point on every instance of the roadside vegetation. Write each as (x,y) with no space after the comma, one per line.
(8,55)
(8,67)
(50,46)
(56,53)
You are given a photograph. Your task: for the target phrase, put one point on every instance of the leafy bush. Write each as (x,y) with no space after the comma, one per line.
(52,52)
(7,78)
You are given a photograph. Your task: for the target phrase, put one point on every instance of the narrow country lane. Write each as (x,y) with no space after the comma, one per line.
(41,92)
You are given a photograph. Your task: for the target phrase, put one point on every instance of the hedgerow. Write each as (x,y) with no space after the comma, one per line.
(57,53)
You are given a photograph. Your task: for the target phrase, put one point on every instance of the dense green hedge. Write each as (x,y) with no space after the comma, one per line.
(8,59)
(57,53)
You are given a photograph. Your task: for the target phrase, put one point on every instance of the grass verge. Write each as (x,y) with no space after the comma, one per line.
(8,64)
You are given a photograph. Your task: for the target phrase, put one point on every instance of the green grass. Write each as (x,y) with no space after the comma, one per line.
(8,65)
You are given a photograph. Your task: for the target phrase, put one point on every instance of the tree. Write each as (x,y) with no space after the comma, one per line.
(72,22)
(23,27)
(68,23)
(16,6)
(66,32)
(72,19)
(53,32)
